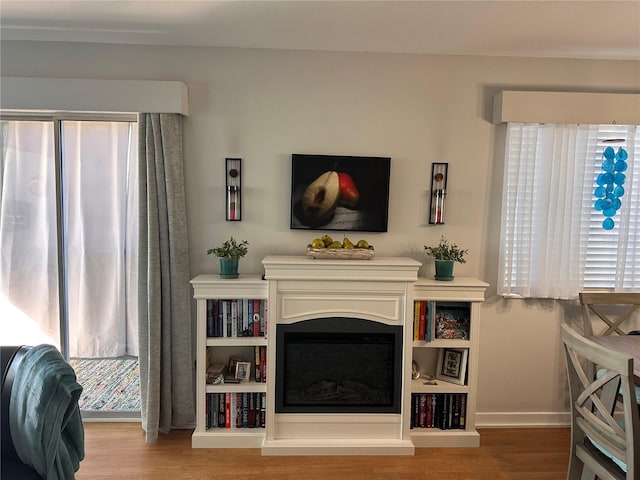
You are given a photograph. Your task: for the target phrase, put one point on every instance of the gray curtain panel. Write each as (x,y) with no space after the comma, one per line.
(164,301)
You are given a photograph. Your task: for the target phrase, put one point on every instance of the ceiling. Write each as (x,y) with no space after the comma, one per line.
(608,29)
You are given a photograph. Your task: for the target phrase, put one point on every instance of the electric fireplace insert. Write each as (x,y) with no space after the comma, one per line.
(338,365)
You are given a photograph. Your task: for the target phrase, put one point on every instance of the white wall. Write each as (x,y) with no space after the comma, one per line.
(263,105)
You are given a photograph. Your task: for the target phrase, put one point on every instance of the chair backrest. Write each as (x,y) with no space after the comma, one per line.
(613,309)
(594,417)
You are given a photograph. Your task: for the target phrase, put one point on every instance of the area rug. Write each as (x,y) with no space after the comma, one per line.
(109,384)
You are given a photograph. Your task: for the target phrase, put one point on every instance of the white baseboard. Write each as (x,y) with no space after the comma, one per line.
(483,419)
(522,419)
(89,417)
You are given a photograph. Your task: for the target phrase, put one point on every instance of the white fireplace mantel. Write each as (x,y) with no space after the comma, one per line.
(302,288)
(391,269)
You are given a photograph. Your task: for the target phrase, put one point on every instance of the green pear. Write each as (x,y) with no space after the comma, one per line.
(317,243)
(327,240)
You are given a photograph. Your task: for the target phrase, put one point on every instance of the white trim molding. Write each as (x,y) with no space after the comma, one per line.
(566,107)
(21,94)
(522,419)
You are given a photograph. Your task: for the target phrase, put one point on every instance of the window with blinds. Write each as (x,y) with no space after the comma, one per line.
(553,243)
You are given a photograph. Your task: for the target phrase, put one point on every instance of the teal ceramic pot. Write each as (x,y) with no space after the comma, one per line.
(229,267)
(444,270)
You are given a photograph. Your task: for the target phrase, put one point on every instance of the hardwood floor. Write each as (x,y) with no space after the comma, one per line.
(117,451)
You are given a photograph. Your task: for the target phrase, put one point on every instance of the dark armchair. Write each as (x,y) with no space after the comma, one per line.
(42,433)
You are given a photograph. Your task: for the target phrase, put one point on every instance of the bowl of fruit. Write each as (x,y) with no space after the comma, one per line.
(327,247)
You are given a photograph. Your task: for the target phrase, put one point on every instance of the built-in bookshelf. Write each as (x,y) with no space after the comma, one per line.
(438,408)
(446,326)
(232,316)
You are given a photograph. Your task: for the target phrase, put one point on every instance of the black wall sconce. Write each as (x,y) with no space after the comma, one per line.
(439,173)
(234,204)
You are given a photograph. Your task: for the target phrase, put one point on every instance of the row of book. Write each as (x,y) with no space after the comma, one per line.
(446,411)
(236,410)
(435,320)
(243,317)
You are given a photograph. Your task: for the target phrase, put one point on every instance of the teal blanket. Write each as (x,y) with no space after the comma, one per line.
(44,417)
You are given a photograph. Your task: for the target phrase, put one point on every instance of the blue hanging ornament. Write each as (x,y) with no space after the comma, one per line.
(610,189)
(608,223)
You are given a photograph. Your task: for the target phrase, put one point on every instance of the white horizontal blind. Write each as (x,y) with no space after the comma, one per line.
(612,260)
(552,242)
(517,205)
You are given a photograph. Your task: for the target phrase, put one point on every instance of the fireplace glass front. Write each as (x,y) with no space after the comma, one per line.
(338,365)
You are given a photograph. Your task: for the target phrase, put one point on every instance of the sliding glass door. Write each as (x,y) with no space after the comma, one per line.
(68,235)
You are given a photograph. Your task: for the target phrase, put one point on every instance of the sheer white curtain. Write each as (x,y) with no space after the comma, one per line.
(28,257)
(548,219)
(100,214)
(100,205)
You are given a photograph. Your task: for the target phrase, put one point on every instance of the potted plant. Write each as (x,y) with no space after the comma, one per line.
(445,255)
(229,253)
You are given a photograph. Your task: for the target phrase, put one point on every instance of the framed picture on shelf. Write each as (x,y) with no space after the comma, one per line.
(231,376)
(243,370)
(453,322)
(452,365)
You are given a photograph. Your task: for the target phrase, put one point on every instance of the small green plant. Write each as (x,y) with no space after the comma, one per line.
(446,251)
(230,249)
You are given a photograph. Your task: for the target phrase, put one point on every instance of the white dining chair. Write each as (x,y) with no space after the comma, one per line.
(605,440)
(613,313)
(616,311)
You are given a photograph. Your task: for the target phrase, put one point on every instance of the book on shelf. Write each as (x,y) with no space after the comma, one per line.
(212,318)
(236,410)
(233,307)
(416,320)
(255,316)
(264,317)
(430,321)
(420,319)
(260,362)
(244,410)
(463,409)
(227,410)
(423,317)
(256,363)
(221,410)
